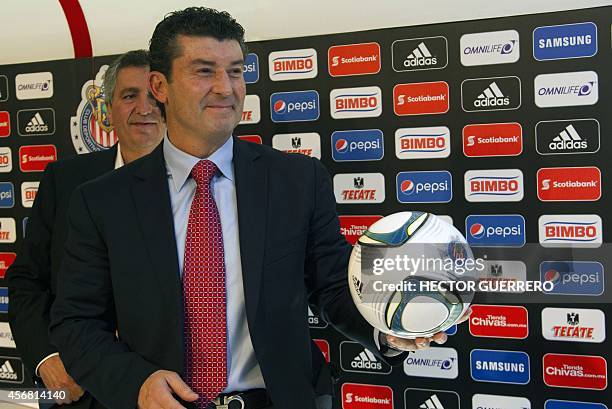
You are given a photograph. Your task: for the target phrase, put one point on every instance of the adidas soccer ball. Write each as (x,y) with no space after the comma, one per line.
(409,274)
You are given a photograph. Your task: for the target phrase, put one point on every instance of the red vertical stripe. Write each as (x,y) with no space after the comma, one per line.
(81,40)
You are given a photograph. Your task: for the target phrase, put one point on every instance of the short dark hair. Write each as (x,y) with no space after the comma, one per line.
(135,58)
(192,21)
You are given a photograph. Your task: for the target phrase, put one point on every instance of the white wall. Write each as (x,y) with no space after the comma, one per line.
(36,30)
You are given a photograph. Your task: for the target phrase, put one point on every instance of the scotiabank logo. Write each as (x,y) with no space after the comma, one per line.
(352,227)
(499,321)
(575,371)
(364,396)
(353,59)
(360,102)
(35,158)
(5,124)
(497,139)
(323,346)
(421,98)
(569,184)
(6,259)
(494,185)
(570,230)
(251,138)
(293,64)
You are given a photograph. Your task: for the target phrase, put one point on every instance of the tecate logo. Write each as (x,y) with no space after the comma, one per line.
(573,277)
(422,143)
(293,64)
(359,188)
(493,185)
(565,41)
(572,136)
(504,270)
(421,98)
(360,102)
(8,232)
(251,112)
(424,53)
(499,230)
(34,85)
(570,230)
(566,89)
(569,184)
(575,371)
(357,145)
(424,187)
(353,59)
(439,362)
(499,321)
(488,365)
(353,227)
(308,144)
(294,106)
(573,325)
(495,47)
(365,396)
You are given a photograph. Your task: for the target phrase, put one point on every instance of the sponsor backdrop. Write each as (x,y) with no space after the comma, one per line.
(499,125)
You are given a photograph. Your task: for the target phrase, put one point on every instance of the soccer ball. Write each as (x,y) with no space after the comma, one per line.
(409,274)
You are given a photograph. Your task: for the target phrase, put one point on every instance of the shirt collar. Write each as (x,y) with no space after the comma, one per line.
(179,163)
(119,159)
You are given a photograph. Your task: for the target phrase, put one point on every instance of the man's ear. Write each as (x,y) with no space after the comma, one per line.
(158,84)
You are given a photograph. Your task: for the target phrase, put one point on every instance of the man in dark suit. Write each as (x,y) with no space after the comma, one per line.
(205,254)
(32,278)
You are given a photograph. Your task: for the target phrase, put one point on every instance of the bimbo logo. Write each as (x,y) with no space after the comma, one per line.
(294,106)
(355,102)
(28,193)
(573,277)
(569,184)
(565,41)
(357,145)
(566,89)
(570,230)
(575,371)
(364,396)
(250,70)
(353,59)
(496,47)
(422,143)
(499,366)
(6,160)
(359,188)
(293,64)
(573,324)
(421,98)
(500,230)
(424,187)
(494,185)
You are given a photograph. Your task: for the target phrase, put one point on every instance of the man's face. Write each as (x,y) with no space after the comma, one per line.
(134,114)
(205,94)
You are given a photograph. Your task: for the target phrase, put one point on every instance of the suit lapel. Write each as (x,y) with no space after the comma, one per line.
(153,209)
(251,179)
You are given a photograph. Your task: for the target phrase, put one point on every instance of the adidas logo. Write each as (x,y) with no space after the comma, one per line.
(492,97)
(432,403)
(568,139)
(312,319)
(7,372)
(37,124)
(366,360)
(420,56)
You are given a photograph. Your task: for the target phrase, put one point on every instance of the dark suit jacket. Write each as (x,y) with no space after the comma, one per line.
(32,278)
(121,271)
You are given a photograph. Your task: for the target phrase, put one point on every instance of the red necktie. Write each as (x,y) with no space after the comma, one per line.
(204,291)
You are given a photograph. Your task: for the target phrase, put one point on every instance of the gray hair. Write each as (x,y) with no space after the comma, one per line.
(135,58)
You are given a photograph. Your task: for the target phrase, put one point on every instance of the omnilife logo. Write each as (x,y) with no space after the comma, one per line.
(494,47)
(365,396)
(426,53)
(355,358)
(36,121)
(491,94)
(567,136)
(566,89)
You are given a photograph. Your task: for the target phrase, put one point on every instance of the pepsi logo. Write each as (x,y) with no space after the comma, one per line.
(280,106)
(552,276)
(342,145)
(477,230)
(407,187)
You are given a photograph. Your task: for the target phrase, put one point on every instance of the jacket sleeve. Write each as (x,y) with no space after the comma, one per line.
(29,278)
(327,260)
(83,319)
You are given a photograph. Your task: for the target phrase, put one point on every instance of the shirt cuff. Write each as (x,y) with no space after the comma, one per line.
(386,350)
(43,360)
